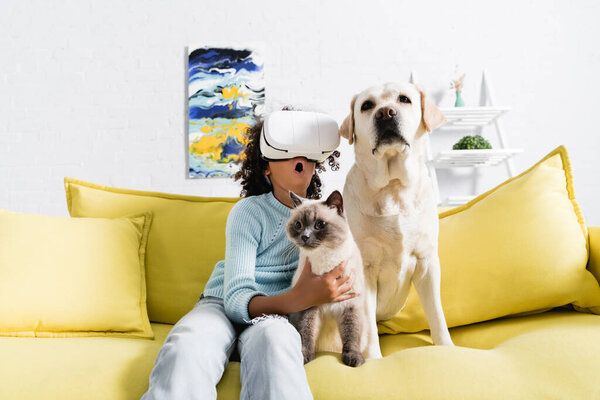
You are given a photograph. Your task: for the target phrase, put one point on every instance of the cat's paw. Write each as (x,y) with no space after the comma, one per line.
(308,356)
(353,358)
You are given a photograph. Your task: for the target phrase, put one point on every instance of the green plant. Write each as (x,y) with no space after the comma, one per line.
(472,143)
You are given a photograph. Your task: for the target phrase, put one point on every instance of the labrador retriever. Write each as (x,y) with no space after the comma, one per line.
(390,202)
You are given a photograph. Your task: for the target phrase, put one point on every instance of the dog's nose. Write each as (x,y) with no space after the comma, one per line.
(385,112)
(305,238)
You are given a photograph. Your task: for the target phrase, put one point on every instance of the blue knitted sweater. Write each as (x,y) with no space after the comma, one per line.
(259,257)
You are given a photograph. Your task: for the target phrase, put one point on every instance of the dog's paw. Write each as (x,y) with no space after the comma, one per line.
(442,340)
(374,353)
(352,358)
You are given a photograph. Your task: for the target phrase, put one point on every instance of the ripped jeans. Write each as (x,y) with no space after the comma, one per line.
(195,353)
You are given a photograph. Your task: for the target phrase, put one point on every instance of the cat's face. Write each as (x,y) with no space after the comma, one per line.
(316,223)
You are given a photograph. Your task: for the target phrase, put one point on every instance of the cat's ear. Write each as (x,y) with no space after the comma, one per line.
(335,200)
(295,199)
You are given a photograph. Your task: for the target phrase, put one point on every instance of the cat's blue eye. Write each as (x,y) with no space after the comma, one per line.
(320,225)
(298,225)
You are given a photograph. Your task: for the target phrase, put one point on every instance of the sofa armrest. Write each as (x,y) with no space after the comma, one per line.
(594,261)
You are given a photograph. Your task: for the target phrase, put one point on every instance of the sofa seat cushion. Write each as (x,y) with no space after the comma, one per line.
(549,355)
(78,368)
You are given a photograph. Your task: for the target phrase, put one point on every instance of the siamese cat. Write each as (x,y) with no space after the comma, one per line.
(320,230)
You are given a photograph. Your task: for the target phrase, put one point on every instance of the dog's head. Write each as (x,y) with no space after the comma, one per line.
(392,115)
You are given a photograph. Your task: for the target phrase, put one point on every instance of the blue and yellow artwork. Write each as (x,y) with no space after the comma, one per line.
(226,94)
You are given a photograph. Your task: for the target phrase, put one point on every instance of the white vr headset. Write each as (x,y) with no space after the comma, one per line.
(289,134)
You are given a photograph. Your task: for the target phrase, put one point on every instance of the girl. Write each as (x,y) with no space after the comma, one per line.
(248,295)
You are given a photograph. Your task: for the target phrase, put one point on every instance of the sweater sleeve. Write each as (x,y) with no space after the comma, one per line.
(242,236)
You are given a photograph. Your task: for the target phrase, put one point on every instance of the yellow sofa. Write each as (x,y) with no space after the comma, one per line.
(551,355)
(555,354)
(545,352)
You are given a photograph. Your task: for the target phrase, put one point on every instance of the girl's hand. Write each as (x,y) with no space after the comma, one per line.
(313,290)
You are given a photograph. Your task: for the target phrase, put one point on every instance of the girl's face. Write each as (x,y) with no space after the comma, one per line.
(294,174)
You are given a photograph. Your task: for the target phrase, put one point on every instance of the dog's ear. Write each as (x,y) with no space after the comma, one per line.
(432,116)
(347,128)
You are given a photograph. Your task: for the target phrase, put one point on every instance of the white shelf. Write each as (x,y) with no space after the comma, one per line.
(470,118)
(472,158)
(471,121)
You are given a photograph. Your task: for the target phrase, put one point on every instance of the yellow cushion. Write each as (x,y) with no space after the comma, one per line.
(520,247)
(64,277)
(549,355)
(186,239)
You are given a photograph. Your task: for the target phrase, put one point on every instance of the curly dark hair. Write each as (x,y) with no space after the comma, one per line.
(253,167)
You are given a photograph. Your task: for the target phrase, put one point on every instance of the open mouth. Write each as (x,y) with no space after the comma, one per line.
(299,165)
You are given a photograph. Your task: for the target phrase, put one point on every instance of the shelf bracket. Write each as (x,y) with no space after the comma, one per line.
(486,94)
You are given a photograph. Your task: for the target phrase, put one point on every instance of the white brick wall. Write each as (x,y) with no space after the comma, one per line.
(97,90)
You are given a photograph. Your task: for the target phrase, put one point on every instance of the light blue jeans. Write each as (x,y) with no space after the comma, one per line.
(195,353)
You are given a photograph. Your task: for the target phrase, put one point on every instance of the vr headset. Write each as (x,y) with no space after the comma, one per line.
(289,134)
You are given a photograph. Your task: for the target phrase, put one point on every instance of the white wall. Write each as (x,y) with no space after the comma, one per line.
(97,90)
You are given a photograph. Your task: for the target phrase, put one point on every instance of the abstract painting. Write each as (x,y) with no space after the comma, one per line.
(226,95)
